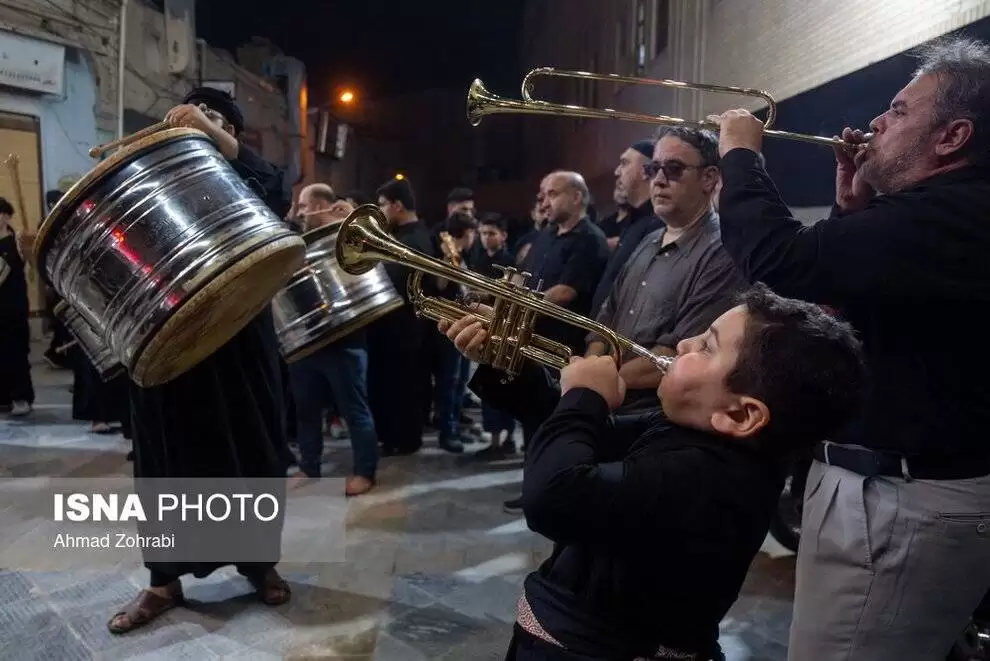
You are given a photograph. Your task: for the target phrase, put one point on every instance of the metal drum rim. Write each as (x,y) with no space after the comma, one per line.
(54,221)
(355,324)
(314,235)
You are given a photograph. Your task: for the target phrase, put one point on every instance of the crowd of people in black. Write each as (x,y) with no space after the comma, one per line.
(656,486)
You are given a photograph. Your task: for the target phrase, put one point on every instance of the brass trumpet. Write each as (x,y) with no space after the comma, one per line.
(481,102)
(362,243)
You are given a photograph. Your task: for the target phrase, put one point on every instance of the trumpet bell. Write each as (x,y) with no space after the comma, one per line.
(479,99)
(361,240)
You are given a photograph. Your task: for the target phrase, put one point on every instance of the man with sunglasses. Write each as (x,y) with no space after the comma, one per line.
(678,279)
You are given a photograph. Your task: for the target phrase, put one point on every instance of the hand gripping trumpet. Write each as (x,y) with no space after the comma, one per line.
(362,243)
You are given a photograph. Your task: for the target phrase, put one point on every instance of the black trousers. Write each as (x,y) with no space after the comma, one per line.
(396,368)
(15,363)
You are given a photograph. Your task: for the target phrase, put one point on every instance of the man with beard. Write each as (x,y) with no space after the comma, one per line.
(632,194)
(225,417)
(893,554)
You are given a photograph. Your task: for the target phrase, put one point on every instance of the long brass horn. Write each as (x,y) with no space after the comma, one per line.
(362,243)
(481,102)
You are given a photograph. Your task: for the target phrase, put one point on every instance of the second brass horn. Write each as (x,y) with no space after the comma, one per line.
(481,102)
(362,242)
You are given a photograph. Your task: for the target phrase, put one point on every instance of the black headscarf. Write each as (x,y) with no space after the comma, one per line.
(219,101)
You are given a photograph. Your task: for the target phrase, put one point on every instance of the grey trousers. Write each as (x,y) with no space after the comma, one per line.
(888,569)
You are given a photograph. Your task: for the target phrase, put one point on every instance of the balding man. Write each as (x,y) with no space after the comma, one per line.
(336,374)
(318,206)
(567,258)
(569,254)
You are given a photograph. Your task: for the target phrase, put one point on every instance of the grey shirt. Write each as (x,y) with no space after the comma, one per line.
(664,294)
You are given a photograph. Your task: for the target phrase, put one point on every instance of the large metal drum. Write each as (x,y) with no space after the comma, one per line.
(90,341)
(322,303)
(166,249)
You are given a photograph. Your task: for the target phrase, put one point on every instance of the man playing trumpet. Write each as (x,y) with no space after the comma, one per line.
(894,549)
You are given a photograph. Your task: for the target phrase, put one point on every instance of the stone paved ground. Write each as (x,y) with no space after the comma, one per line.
(432,570)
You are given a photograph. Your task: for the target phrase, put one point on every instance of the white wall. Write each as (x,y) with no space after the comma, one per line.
(790,46)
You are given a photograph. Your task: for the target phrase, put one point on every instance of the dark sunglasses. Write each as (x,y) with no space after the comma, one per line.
(672,170)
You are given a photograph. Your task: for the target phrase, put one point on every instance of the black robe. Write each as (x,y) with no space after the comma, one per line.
(96,400)
(224,418)
(15,331)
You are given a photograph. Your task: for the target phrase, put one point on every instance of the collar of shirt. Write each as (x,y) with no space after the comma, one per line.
(704,227)
(583,227)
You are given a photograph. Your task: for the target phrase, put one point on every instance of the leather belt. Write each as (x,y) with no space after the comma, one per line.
(873,463)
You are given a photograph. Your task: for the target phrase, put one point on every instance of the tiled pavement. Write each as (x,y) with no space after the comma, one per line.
(432,571)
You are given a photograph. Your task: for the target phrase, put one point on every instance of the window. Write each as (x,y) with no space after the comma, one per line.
(640,34)
(661,36)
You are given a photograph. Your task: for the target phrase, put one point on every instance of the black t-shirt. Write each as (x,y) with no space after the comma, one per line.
(417,236)
(576,259)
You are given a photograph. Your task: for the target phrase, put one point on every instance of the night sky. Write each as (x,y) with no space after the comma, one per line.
(381,47)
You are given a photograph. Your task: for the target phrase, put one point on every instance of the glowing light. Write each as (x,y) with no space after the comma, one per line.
(347,96)
(400,176)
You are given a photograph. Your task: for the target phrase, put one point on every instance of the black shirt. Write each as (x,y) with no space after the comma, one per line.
(611,226)
(13,289)
(267,180)
(910,273)
(576,259)
(484,264)
(640,222)
(416,236)
(655,526)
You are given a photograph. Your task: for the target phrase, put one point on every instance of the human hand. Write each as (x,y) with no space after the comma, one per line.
(340,210)
(468,333)
(599,374)
(192,116)
(738,128)
(851,192)
(209,122)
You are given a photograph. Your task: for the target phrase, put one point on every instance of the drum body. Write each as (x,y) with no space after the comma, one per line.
(90,341)
(165,250)
(322,303)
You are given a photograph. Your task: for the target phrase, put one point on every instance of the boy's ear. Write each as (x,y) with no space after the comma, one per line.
(743,418)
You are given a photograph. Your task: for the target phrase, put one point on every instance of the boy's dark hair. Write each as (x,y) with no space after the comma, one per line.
(458,224)
(398,190)
(460,195)
(805,365)
(494,219)
(6,207)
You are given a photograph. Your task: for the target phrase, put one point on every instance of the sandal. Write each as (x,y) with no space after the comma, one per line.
(271,588)
(143,609)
